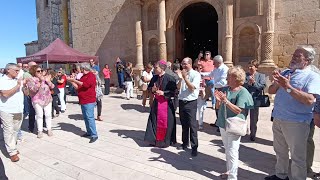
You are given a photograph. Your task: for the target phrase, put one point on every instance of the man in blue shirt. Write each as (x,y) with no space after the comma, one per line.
(93,66)
(295,89)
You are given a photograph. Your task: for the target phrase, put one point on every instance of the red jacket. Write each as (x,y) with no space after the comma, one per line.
(87,92)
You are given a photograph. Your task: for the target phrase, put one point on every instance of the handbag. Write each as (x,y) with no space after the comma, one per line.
(261,100)
(235,125)
(99,93)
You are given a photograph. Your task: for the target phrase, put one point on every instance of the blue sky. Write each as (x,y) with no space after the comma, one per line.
(18,26)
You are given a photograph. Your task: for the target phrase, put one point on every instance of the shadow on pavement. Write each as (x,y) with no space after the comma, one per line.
(71,128)
(76,117)
(136,107)
(203,164)
(116,97)
(73,102)
(137,136)
(253,158)
(2,171)
(258,140)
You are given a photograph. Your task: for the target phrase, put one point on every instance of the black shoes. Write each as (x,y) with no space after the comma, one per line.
(182,147)
(93,139)
(213,125)
(252,138)
(194,153)
(274,177)
(85,135)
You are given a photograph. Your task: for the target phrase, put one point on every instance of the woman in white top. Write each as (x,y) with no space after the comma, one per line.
(146,78)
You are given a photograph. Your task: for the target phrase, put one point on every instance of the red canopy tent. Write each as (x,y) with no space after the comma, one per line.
(57,52)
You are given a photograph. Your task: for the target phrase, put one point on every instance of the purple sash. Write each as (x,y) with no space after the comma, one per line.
(162,118)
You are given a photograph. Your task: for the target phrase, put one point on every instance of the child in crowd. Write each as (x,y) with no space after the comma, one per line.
(201,101)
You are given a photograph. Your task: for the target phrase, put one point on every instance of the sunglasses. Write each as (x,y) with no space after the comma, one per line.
(39,71)
(59,72)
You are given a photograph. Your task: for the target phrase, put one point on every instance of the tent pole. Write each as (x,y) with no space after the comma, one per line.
(47,64)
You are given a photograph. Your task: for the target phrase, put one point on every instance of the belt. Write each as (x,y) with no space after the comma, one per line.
(185,101)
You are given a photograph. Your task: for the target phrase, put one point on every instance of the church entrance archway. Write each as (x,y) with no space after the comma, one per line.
(197,30)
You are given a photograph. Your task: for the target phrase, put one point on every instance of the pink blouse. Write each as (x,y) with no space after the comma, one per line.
(40,91)
(106,73)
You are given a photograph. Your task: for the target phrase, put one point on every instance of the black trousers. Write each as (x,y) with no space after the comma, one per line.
(32,115)
(107,86)
(55,104)
(188,114)
(99,107)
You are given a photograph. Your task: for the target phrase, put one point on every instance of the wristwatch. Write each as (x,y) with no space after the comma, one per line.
(289,90)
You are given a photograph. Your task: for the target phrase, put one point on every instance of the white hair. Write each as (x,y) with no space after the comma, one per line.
(310,53)
(218,58)
(86,66)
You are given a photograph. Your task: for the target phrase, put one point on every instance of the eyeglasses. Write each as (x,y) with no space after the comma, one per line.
(16,70)
(207,54)
(39,71)
(59,72)
(25,66)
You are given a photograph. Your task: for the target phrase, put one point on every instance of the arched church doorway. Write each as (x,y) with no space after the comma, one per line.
(197,30)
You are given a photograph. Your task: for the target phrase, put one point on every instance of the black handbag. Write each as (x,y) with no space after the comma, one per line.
(261,100)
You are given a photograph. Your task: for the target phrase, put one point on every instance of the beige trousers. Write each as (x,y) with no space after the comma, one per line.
(11,126)
(290,136)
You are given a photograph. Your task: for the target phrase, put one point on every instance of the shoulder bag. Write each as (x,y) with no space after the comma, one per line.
(235,125)
(261,100)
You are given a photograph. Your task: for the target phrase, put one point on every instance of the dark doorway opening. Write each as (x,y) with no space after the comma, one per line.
(197,30)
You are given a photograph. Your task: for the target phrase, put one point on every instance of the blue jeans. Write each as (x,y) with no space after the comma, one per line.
(211,83)
(26,107)
(88,116)
(121,79)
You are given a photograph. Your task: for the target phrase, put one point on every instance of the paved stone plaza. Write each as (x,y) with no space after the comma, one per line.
(120,152)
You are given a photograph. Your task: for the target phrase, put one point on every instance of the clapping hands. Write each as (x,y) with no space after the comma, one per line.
(221,96)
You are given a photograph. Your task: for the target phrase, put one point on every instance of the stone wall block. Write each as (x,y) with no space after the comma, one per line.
(288,50)
(282,24)
(301,38)
(317,26)
(278,50)
(309,4)
(283,61)
(298,27)
(314,38)
(286,39)
(276,59)
(307,15)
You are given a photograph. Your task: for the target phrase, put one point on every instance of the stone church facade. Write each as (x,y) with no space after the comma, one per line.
(147,30)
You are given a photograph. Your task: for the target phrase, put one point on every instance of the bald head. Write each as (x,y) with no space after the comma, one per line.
(32,63)
(187,63)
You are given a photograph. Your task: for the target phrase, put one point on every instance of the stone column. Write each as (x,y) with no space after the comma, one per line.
(65,22)
(268,35)
(228,12)
(162,30)
(139,58)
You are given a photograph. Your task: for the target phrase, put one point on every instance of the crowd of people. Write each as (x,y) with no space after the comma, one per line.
(235,95)
(37,94)
(29,91)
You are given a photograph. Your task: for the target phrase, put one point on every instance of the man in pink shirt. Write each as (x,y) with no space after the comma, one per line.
(207,67)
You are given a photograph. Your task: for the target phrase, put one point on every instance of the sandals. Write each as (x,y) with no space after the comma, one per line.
(316,176)
(224,175)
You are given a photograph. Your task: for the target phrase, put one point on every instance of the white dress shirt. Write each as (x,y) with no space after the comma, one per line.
(220,76)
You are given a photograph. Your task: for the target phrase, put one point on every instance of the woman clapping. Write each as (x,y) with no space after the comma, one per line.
(40,91)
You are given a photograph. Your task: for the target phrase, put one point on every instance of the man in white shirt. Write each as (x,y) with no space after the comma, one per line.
(189,86)
(11,108)
(220,77)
